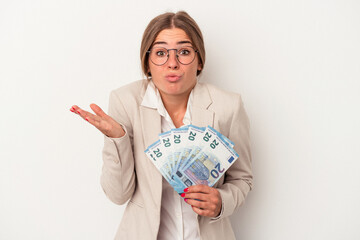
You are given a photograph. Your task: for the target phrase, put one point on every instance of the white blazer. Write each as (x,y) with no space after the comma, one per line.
(127,173)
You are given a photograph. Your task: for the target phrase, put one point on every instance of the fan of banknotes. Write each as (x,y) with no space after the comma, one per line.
(192,155)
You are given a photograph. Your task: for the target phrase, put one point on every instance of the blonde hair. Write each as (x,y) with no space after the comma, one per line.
(171,20)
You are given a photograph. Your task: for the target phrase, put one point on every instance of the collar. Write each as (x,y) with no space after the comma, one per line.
(152,99)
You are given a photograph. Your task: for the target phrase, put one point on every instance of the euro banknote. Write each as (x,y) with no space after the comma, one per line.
(192,155)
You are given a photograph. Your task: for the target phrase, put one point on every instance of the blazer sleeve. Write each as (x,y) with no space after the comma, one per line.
(118,175)
(238,178)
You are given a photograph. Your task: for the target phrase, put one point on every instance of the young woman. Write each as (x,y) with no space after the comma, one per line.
(172,55)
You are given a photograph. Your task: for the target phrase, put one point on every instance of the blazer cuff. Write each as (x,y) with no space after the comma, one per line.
(116,145)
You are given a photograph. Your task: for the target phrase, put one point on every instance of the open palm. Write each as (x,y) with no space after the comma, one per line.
(106,124)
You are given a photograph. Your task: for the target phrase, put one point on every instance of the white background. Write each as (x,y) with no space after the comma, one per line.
(296,64)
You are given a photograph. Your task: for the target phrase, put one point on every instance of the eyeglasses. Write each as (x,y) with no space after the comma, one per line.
(160,55)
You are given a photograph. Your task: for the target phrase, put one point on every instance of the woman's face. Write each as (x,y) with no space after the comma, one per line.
(174,78)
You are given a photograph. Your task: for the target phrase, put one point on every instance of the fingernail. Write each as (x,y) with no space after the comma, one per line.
(185,199)
(78,112)
(86,119)
(71,110)
(186,189)
(182,195)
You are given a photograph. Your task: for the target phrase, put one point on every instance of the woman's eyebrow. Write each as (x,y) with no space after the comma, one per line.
(159,43)
(180,42)
(183,42)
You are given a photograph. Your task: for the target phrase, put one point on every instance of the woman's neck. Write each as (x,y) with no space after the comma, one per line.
(176,107)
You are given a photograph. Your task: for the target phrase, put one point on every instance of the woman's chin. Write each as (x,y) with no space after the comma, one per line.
(174,91)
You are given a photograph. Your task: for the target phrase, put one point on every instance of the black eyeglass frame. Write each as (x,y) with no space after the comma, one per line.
(168,53)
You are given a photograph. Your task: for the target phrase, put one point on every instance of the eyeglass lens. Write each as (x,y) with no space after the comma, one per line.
(159,56)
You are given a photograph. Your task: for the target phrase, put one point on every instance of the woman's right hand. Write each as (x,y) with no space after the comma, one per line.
(106,124)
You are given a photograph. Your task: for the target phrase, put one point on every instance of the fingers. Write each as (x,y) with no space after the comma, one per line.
(74,109)
(97,110)
(93,119)
(196,203)
(201,212)
(198,188)
(197,199)
(101,121)
(205,200)
(205,212)
(209,208)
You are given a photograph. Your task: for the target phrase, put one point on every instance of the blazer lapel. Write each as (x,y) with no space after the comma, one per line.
(201,116)
(151,128)
(151,124)
(150,121)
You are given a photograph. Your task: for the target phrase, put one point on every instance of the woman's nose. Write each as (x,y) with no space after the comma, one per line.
(173,63)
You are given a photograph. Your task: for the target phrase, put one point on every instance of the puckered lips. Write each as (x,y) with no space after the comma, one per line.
(172,77)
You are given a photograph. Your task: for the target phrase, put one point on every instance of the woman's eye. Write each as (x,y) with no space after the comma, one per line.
(184,52)
(160,53)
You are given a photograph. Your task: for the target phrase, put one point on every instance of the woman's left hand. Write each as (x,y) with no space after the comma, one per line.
(204,200)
